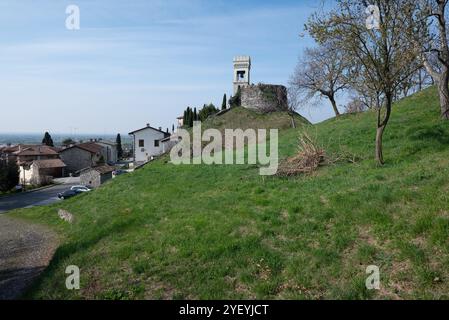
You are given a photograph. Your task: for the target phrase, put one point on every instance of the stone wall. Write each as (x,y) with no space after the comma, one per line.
(90,178)
(264,98)
(76,159)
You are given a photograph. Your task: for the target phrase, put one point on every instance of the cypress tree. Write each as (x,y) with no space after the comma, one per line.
(191,118)
(223,104)
(47,140)
(118,140)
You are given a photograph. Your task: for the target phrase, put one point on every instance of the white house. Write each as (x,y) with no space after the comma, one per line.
(147,144)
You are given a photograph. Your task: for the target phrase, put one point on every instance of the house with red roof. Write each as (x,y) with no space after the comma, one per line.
(38,164)
(82,156)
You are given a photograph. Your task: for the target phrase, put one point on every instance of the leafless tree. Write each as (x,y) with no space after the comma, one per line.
(320,73)
(430,36)
(356,105)
(293,103)
(383,52)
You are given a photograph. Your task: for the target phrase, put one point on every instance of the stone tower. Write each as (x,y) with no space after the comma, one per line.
(242,68)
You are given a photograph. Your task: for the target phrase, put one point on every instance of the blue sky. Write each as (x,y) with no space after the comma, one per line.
(139,61)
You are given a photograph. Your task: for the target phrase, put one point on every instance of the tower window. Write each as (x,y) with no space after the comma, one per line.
(240,75)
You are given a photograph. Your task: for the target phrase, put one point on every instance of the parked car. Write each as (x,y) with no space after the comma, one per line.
(67,194)
(80,188)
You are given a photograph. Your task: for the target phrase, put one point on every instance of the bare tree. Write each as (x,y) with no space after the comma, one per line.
(356,105)
(422,79)
(383,52)
(321,72)
(434,46)
(293,103)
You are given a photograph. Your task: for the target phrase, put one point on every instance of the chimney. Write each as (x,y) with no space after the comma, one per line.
(160,128)
(148,125)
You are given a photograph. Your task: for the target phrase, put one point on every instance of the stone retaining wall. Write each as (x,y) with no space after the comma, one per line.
(264,98)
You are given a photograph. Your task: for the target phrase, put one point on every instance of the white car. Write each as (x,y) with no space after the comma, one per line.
(80,189)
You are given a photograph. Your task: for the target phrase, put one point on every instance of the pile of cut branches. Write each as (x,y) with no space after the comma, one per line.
(308,158)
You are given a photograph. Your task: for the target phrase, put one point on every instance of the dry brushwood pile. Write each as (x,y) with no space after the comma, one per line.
(307,160)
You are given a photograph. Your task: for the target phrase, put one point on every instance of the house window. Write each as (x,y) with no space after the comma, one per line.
(141,143)
(156,143)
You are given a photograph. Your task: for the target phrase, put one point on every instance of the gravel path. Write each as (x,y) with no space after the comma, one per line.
(25,251)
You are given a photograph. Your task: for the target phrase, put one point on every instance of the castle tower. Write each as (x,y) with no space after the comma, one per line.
(242,68)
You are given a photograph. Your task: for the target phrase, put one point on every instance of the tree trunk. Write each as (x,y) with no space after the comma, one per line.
(334,106)
(443,92)
(381,125)
(379,154)
(420,80)
(443,80)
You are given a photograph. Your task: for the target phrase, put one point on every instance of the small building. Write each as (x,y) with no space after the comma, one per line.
(109,152)
(82,156)
(96,176)
(42,172)
(146,143)
(169,142)
(180,120)
(38,164)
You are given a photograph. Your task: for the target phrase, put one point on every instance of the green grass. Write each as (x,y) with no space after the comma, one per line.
(224,232)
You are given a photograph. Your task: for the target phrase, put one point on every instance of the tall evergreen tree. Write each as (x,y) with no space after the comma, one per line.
(191,118)
(118,141)
(195,115)
(188,116)
(207,111)
(172,128)
(223,104)
(47,140)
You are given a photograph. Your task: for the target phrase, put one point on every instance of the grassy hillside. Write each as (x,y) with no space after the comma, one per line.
(242,118)
(225,232)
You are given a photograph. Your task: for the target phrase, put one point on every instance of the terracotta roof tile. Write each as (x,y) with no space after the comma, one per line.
(91,147)
(35,151)
(49,163)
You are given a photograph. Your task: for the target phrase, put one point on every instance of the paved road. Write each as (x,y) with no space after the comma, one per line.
(36,198)
(25,252)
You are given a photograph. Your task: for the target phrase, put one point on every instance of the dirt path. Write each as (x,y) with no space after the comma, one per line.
(25,251)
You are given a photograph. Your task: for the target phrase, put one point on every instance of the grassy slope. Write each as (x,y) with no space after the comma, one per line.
(245,119)
(226,232)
